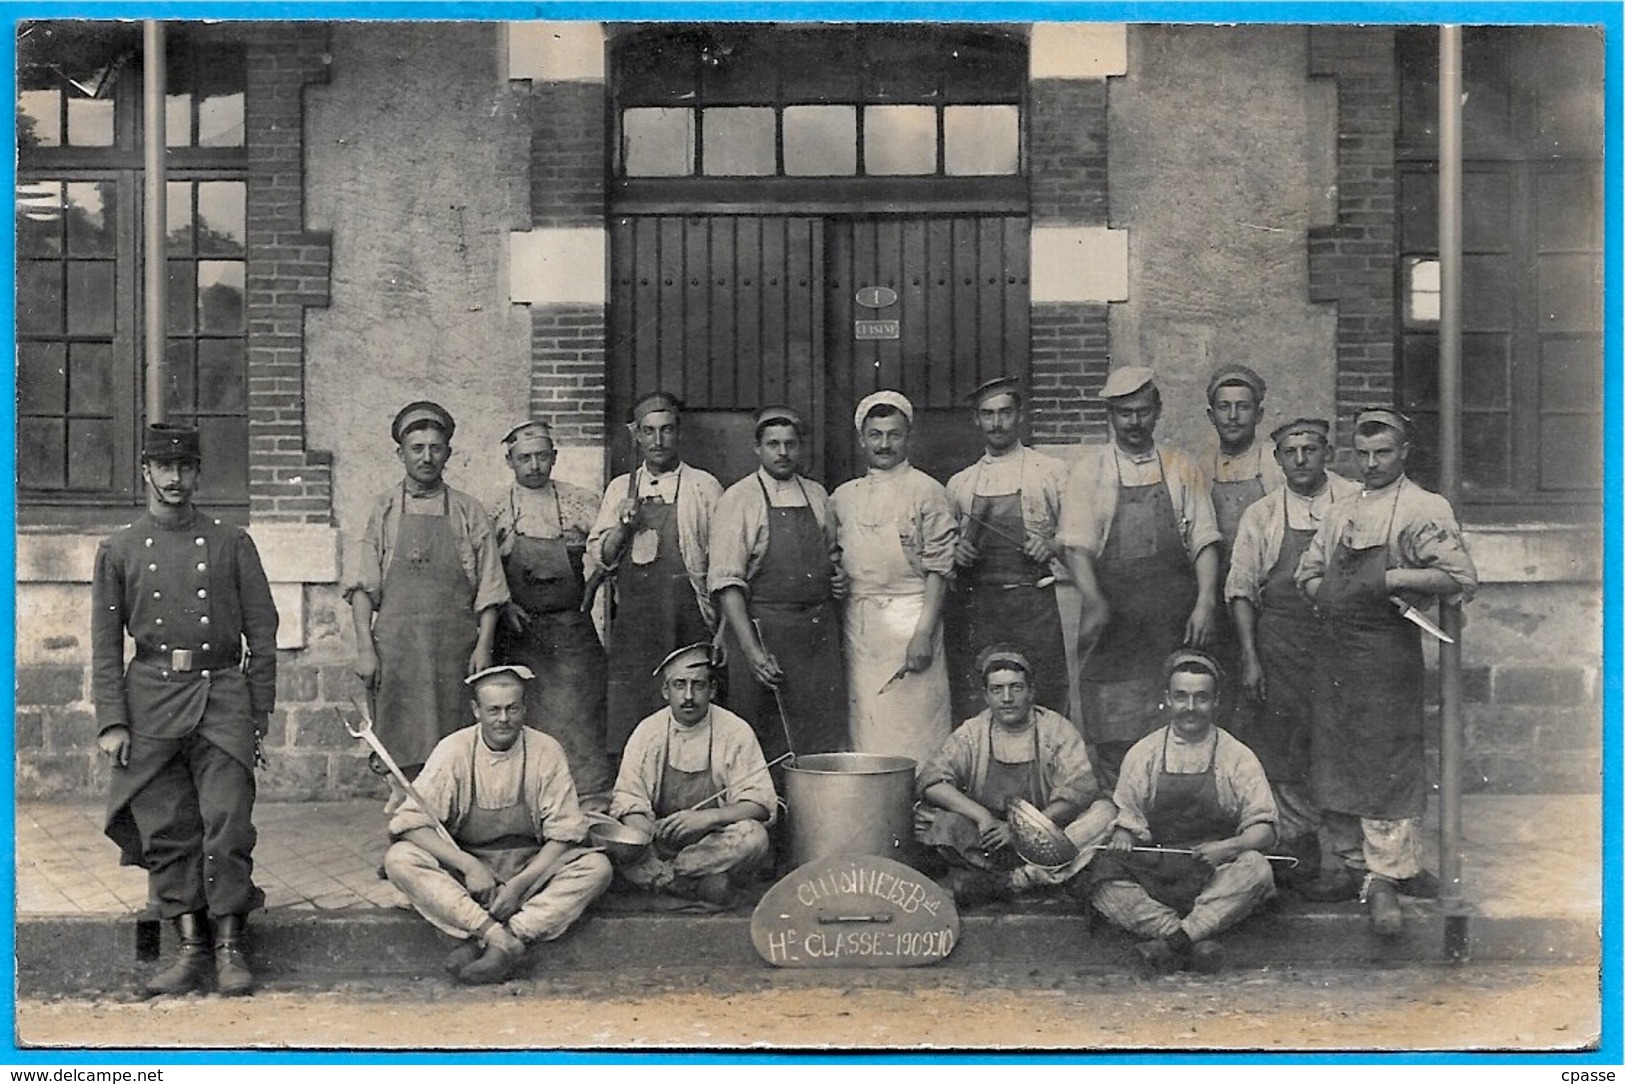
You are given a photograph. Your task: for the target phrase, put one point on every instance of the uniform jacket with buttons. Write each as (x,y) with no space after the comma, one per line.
(198,585)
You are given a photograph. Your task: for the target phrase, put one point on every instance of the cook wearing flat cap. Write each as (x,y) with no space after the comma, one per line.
(694,779)
(1013,748)
(517,868)
(1190,786)
(541,526)
(180,725)
(1137,515)
(425,585)
(774,575)
(1393,544)
(1007,505)
(652,540)
(1276,629)
(896,530)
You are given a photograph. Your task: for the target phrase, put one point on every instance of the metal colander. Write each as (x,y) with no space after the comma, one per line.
(1036,838)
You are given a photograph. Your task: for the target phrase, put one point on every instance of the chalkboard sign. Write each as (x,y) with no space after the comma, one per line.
(854,910)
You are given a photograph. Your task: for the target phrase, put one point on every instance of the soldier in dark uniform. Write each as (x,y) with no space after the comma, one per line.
(182,724)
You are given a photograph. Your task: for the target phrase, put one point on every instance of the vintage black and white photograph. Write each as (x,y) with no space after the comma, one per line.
(930,535)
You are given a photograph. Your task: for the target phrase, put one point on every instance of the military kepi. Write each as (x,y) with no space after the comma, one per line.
(422,412)
(1302,425)
(999,385)
(169,442)
(688,658)
(1126,381)
(523,673)
(1393,419)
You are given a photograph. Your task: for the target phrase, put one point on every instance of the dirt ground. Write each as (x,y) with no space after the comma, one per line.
(1469,1008)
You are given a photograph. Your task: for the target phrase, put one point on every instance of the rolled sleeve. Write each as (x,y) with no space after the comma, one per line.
(490,584)
(1197,523)
(938,529)
(747,776)
(1072,776)
(1250,556)
(558,811)
(1312,565)
(953,763)
(1249,787)
(1435,541)
(437,784)
(364,557)
(1135,786)
(639,771)
(738,538)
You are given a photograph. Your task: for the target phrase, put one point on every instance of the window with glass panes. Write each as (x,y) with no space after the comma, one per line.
(80,371)
(914,101)
(1531,305)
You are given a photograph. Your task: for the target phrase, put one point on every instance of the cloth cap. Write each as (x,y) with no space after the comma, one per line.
(999,385)
(1235,374)
(654,402)
(1187,656)
(686,659)
(1126,381)
(1302,425)
(1393,419)
(1003,656)
(781,415)
(541,427)
(882,398)
(523,673)
(166,442)
(415,414)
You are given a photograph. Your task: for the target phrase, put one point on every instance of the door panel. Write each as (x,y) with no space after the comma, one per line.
(962,313)
(724,311)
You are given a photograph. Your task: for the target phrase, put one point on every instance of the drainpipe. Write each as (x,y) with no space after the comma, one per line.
(154,251)
(1452,737)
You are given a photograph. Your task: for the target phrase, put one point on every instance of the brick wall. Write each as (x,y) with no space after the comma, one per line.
(288,270)
(568,145)
(1071,350)
(1070,341)
(1352,263)
(567,370)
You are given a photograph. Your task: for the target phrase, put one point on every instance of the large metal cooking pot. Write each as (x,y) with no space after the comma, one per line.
(849,803)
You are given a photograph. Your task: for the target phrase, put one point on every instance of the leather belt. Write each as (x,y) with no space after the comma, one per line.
(185,660)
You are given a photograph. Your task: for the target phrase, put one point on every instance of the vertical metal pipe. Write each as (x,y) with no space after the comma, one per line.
(1452,736)
(154,267)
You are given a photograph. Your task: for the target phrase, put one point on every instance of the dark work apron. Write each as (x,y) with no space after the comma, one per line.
(790,600)
(1150,586)
(679,790)
(1230,500)
(566,700)
(1004,782)
(503,837)
(655,613)
(996,601)
(1278,730)
(1185,812)
(425,632)
(1367,737)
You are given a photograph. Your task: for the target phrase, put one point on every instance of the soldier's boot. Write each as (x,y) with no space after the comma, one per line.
(192,967)
(232,978)
(1382,907)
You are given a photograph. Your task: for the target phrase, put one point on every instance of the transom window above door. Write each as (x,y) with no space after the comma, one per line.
(765,101)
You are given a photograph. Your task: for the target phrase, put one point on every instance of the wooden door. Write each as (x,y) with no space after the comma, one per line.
(961,317)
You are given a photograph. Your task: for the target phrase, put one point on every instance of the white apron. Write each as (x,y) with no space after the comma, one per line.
(885,597)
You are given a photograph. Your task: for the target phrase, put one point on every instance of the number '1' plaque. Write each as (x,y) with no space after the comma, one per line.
(854,910)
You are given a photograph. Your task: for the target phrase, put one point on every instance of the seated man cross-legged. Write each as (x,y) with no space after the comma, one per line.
(678,758)
(1013,749)
(520,870)
(1191,786)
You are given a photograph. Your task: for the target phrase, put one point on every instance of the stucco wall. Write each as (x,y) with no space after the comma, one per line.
(418,165)
(1220,151)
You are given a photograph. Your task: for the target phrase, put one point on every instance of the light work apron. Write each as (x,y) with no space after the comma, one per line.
(560,645)
(883,606)
(655,613)
(998,600)
(790,600)
(1150,586)
(1367,739)
(425,631)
